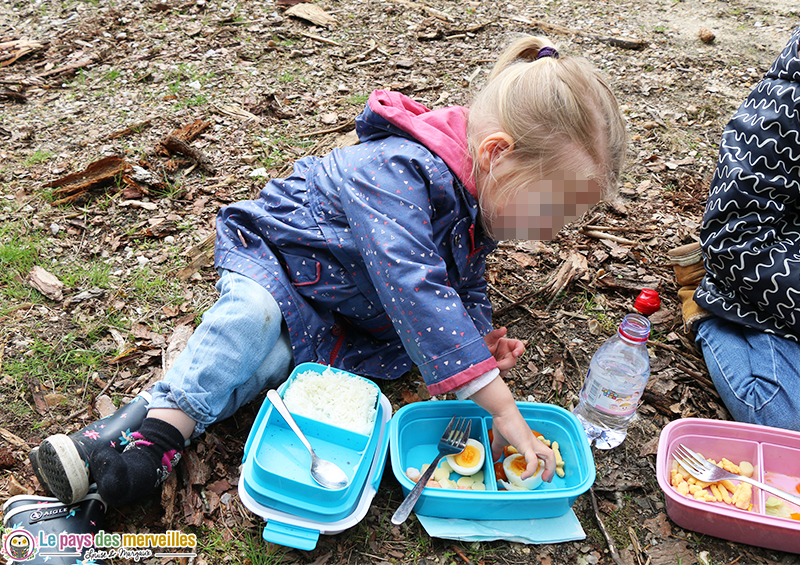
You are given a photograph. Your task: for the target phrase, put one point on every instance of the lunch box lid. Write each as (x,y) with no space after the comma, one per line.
(276,463)
(292,530)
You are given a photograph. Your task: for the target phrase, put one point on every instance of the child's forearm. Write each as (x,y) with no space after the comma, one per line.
(496,398)
(510,427)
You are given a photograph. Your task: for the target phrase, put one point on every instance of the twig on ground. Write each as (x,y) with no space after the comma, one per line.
(513,302)
(611,547)
(615,238)
(320,39)
(624,42)
(675,350)
(462,555)
(82,410)
(177,145)
(423,8)
(348,125)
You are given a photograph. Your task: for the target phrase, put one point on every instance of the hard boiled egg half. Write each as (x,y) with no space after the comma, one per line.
(469,461)
(514,465)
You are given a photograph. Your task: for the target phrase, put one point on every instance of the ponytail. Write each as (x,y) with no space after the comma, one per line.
(560,113)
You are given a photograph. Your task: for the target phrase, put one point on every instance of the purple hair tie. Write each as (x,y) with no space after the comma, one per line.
(547,52)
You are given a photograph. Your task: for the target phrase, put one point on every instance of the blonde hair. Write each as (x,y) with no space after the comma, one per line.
(560,113)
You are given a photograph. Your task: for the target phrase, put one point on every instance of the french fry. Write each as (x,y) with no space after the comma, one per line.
(741,498)
(730,466)
(559,459)
(727,492)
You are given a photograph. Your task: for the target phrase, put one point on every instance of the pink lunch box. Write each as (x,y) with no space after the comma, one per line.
(775,455)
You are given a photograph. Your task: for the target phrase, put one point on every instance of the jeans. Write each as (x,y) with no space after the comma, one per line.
(240,348)
(756,374)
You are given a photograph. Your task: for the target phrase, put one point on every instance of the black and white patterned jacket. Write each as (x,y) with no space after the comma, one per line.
(751,226)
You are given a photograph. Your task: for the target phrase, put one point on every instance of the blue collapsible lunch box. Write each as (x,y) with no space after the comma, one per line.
(276,483)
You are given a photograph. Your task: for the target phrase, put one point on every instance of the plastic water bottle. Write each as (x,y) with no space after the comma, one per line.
(615,383)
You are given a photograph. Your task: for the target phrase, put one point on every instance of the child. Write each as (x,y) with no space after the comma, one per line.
(371,259)
(740,283)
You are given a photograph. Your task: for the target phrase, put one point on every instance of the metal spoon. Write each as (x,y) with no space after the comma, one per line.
(327,474)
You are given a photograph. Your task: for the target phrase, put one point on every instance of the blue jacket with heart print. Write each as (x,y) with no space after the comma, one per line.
(751,226)
(374,252)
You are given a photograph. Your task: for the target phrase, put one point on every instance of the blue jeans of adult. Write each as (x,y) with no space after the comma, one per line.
(756,374)
(240,348)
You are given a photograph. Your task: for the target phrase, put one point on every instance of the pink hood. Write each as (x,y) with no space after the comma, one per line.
(443,131)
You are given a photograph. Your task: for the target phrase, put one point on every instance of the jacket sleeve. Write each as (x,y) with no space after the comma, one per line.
(751,226)
(391,214)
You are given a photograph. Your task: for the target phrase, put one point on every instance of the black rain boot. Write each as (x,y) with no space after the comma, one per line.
(30,520)
(61,462)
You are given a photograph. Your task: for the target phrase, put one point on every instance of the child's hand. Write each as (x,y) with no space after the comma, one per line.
(510,428)
(505,351)
(507,431)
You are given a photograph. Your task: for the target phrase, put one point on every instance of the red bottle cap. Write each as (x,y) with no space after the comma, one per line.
(647,302)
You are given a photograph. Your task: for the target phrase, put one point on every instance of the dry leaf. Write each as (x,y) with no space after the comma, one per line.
(523,259)
(311,13)
(177,343)
(14,488)
(12,439)
(104,406)
(46,283)
(409,397)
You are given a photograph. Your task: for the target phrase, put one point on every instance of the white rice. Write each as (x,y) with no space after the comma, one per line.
(333,398)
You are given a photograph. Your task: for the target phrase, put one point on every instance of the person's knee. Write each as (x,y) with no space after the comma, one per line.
(753,373)
(249,299)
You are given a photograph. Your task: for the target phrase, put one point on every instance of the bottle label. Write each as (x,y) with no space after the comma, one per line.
(614,402)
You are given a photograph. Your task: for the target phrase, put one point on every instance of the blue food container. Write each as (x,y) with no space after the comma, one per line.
(276,480)
(414,434)
(276,483)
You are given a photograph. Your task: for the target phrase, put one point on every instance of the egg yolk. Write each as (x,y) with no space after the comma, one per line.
(469,457)
(518,466)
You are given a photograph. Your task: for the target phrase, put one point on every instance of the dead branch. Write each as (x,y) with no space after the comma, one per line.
(608,236)
(177,145)
(7,94)
(202,255)
(348,125)
(100,173)
(611,547)
(135,128)
(624,43)
(35,79)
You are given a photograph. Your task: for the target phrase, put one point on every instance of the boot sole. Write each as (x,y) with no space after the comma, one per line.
(65,471)
(33,457)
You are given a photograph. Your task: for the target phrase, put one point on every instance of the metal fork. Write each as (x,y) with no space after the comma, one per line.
(454,440)
(702,469)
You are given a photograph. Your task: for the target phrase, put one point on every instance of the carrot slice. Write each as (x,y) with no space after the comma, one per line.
(499,471)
